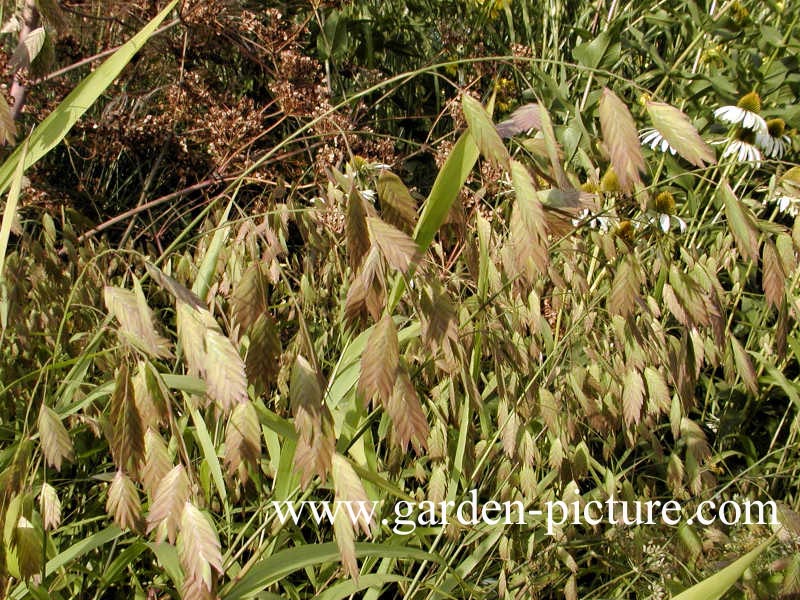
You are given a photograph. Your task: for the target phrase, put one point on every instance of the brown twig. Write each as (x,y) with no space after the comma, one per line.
(99,55)
(146,206)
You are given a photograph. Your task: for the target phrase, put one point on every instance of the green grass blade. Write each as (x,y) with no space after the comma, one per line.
(464,569)
(715,586)
(276,567)
(445,190)
(58,123)
(209,264)
(210,454)
(350,587)
(73,553)
(167,556)
(9,215)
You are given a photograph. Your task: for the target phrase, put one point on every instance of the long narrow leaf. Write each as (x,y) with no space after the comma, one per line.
(9,216)
(209,264)
(715,586)
(58,123)
(278,566)
(445,190)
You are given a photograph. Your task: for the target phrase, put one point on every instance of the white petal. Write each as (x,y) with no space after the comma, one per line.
(778,148)
(681,224)
(729,114)
(580,217)
(731,148)
(735,116)
(648,136)
(751,120)
(744,152)
(663,220)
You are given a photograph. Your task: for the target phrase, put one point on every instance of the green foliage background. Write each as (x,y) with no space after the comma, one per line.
(285,255)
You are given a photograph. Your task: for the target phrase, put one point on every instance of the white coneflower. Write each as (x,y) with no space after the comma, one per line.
(626,231)
(652,137)
(788,204)
(745,113)
(772,141)
(363,167)
(788,192)
(742,147)
(587,217)
(665,213)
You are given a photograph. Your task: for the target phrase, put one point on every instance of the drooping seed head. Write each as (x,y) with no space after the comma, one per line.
(746,135)
(751,102)
(610,183)
(626,232)
(665,203)
(776,127)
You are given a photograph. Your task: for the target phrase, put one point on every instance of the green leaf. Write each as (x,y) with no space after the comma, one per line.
(347,589)
(210,454)
(445,190)
(9,223)
(715,586)
(590,54)
(274,568)
(167,556)
(209,264)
